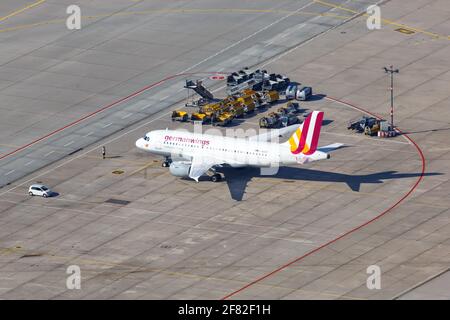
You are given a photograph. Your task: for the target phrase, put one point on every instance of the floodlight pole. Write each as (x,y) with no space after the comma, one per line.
(391,71)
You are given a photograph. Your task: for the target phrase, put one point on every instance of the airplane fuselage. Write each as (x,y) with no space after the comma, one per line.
(236,152)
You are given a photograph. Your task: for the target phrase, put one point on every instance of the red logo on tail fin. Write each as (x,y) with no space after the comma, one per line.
(317,124)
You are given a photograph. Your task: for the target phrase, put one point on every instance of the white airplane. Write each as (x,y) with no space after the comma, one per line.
(193,155)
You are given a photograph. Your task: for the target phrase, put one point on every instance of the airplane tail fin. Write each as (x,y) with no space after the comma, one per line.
(306,138)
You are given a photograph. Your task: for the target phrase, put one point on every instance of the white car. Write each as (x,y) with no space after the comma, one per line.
(39,190)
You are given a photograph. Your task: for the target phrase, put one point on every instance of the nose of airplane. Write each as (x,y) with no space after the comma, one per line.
(140,143)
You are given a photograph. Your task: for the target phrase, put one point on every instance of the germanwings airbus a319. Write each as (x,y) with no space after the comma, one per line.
(193,155)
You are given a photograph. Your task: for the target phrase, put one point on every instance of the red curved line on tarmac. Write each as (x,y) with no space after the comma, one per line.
(89,115)
(352,230)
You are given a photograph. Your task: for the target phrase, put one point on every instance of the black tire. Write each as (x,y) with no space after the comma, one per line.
(31,193)
(216,177)
(45,195)
(165,164)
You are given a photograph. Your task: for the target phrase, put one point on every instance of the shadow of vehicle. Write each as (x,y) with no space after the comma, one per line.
(317,97)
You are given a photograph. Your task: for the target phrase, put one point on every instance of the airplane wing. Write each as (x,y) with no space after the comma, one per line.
(273,134)
(200,165)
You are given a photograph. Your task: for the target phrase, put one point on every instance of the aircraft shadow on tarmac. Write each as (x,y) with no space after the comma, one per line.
(237,179)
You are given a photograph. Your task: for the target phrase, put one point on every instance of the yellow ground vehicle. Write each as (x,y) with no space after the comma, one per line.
(369,125)
(206,113)
(180,115)
(227,100)
(236,108)
(211,108)
(271,96)
(223,119)
(254,95)
(371,130)
(258,99)
(248,103)
(199,116)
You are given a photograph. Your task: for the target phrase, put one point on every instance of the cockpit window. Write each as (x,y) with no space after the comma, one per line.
(146,138)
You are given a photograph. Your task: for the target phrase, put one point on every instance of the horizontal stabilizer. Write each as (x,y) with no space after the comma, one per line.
(330,147)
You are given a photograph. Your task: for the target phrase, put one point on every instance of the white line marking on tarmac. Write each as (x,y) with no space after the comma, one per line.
(278,57)
(106,125)
(304,241)
(8,173)
(244,39)
(249,36)
(48,153)
(88,134)
(68,143)
(291,30)
(179,90)
(127,115)
(164,98)
(28,163)
(217,219)
(186,70)
(85,153)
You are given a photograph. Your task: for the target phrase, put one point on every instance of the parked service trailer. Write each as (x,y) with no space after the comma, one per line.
(304,93)
(289,108)
(291,91)
(277,120)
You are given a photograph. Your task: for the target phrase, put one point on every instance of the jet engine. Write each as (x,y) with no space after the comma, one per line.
(180,168)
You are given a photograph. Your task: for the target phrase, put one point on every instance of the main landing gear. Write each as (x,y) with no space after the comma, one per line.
(166,162)
(217,177)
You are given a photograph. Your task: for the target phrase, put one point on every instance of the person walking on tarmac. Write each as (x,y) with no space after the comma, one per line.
(103,152)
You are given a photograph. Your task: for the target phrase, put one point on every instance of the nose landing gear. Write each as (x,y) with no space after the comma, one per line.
(166,163)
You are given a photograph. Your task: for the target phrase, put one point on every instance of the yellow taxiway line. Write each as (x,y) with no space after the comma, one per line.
(12,14)
(220,11)
(169,11)
(385,21)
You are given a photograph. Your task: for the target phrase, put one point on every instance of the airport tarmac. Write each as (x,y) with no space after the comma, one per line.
(308,232)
